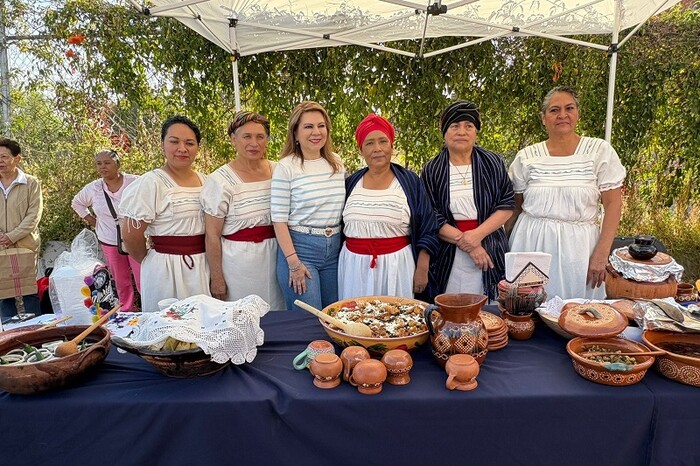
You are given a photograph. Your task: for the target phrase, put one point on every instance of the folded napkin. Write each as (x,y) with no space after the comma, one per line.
(518,262)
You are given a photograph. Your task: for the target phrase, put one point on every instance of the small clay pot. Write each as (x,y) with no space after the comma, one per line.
(462,370)
(326,369)
(368,375)
(685,293)
(520,327)
(398,363)
(350,357)
(643,248)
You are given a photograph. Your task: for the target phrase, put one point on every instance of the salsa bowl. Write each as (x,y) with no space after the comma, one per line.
(615,374)
(375,344)
(675,365)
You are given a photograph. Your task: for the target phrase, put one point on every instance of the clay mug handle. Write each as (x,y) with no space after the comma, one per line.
(427,313)
(351,379)
(302,361)
(451,384)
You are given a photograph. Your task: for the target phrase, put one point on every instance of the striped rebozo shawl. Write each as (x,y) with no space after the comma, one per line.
(493,191)
(424,227)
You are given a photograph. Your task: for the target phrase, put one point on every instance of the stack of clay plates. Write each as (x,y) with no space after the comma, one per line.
(498,332)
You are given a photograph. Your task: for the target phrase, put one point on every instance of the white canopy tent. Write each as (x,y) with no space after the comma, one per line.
(248,27)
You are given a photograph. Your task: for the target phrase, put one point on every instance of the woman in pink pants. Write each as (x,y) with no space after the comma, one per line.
(95,196)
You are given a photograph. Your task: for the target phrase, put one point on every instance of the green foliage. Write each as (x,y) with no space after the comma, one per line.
(144,69)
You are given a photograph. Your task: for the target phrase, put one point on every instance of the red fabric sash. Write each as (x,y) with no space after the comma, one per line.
(376,246)
(466,225)
(255,234)
(183,246)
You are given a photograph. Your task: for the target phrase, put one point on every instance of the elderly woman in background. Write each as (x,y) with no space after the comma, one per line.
(103,196)
(389,225)
(241,244)
(473,198)
(559,185)
(308,193)
(164,204)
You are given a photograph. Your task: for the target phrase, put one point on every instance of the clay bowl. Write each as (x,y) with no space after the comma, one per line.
(375,345)
(27,379)
(597,371)
(683,369)
(179,364)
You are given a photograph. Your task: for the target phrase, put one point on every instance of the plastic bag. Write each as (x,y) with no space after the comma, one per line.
(68,277)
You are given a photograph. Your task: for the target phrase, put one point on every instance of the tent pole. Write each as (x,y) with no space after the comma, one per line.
(235,55)
(613,71)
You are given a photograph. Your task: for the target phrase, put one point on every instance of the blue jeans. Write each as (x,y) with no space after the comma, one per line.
(320,256)
(8,308)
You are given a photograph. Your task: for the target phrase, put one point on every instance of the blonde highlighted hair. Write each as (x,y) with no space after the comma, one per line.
(291,145)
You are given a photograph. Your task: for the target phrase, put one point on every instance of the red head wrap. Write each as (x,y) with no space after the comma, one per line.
(371,123)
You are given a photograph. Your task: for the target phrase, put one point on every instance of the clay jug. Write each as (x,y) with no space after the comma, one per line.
(455,326)
(643,248)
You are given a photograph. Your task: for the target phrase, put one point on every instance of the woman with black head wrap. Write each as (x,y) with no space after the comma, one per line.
(472,197)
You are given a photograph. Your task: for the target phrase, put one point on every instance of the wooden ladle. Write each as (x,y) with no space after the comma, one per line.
(635,353)
(71,347)
(357,329)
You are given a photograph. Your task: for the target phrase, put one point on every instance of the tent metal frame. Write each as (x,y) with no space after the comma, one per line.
(183,10)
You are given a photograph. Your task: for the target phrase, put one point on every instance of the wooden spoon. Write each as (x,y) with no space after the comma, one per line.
(53,323)
(71,347)
(357,329)
(638,353)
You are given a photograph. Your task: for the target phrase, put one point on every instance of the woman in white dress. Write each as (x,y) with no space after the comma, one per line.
(559,185)
(307,198)
(91,204)
(241,244)
(163,204)
(389,224)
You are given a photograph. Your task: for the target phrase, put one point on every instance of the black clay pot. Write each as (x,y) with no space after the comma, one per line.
(643,248)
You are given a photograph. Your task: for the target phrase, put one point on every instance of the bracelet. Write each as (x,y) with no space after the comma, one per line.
(296,267)
(290,255)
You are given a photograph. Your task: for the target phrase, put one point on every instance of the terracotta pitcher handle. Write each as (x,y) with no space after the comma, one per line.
(427,313)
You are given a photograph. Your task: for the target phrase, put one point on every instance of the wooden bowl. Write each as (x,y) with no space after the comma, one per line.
(377,346)
(27,379)
(683,369)
(179,364)
(597,371)
(553,323)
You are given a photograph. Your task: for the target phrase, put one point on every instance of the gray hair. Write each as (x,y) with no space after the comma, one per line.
(112,155)
(548,98)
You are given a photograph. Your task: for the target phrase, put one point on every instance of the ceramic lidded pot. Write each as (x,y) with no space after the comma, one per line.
(369,375)
(326,369)
(350,357)
(398,363)
(520,327)
(643,248)
(455,327)
(462,370)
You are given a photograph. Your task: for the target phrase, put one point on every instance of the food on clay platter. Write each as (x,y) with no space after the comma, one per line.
(386,319)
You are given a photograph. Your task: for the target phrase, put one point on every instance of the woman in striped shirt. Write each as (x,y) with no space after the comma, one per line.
(240,240)
(307,198)
(473,197)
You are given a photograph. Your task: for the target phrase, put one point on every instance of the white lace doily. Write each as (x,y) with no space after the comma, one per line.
(223,330)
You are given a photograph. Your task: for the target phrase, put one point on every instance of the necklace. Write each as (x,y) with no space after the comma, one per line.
(463,175)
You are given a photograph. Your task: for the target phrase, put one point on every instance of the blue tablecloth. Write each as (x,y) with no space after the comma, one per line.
(530,408)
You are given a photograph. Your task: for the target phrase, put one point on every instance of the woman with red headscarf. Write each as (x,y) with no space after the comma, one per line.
(389,225)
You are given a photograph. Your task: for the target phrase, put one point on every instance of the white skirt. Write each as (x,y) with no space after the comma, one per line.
(393,275)
(166,276)
(250,268)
